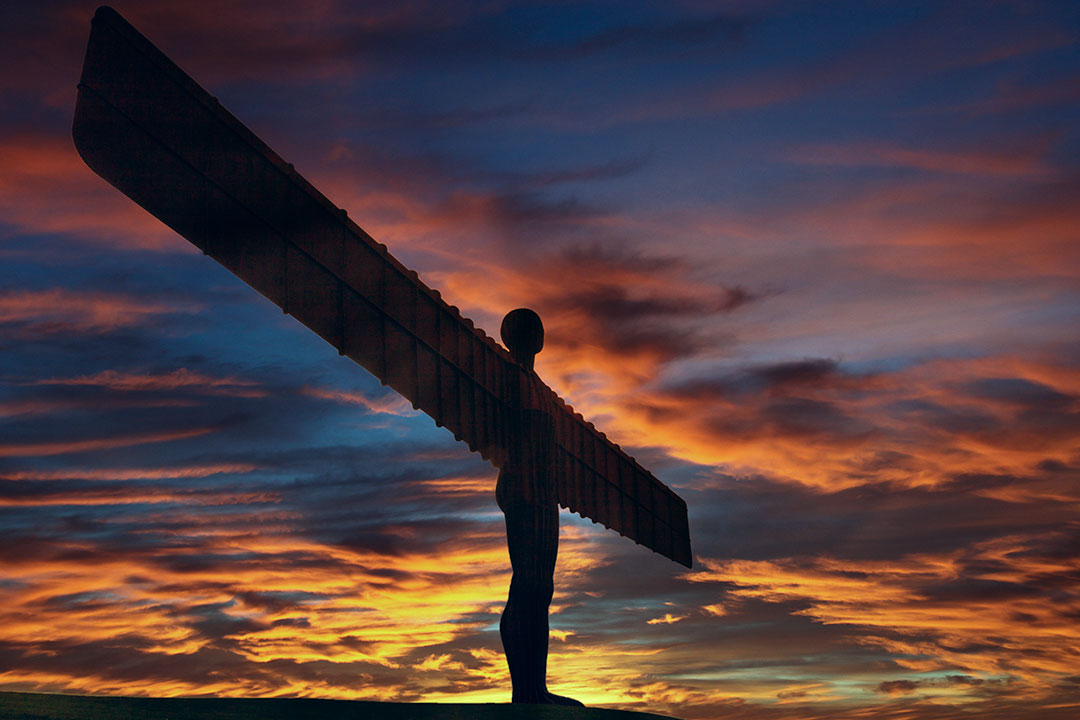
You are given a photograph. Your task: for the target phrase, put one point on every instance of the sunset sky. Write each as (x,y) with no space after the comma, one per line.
(814,264)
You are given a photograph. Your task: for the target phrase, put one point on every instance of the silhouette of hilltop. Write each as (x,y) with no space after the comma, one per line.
(44,706)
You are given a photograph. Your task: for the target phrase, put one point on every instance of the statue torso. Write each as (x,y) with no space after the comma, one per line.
(526,474)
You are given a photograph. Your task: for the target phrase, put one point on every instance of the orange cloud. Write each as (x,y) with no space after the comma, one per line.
(140,496)
(389,404)
(331,621)
(39,406)
(156,473)
(925,609)
(667,619)
(832,430)
(348,597)
(1024,161)
(45,187)
(182,378)
(41,449)
(60,310)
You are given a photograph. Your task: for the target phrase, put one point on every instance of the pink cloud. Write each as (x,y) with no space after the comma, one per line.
(154,473)
(40,449)
(60,310)
(1024,161)
(175,380)
(46,188)
(139,496)
(390,404)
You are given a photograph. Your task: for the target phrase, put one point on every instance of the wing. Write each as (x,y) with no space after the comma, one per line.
(599,481)
(153,133)
(150,130)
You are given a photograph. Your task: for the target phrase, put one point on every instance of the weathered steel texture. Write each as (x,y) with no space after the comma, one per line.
(599,481)
(152,132)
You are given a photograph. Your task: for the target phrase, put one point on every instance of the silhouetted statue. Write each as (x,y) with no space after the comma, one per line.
(150,130)
(526,495)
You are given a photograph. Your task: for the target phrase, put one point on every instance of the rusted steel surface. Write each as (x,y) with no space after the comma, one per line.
(147,128)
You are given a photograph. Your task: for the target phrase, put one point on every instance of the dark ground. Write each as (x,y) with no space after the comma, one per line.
(35,706)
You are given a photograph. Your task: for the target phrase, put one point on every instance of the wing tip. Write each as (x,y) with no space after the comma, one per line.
(106,12)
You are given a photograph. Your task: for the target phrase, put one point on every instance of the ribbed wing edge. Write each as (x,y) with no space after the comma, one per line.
(598,480)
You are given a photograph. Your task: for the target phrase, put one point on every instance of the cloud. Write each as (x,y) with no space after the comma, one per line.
(39,404)
(931,607)
(46,188)
(1001,227)
(279,598)
(667,619)
(897,687)
(41,449)
(59,310)
(1025,160)
(610,315)
(391,404)
(903,687)
(149,473)
(43,494)
(181,379)
(816,422)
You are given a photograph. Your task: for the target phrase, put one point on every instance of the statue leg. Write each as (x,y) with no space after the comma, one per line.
(532,536)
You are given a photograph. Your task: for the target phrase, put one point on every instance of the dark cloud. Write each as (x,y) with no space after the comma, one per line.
(629,303)
(789,378)
(616,304)
(807,418)
(521,211)
(1019,391)
(799,372)
(760,518)
(897,687)
(428,536)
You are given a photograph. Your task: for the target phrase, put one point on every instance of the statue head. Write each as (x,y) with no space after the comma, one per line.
(523,334)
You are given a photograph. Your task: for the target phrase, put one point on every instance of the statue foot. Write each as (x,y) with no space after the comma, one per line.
(554,699)
(546,698)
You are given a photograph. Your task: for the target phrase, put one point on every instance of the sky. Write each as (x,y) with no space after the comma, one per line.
(814,264)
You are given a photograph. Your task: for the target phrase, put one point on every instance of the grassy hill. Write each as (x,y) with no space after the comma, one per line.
(39,706)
